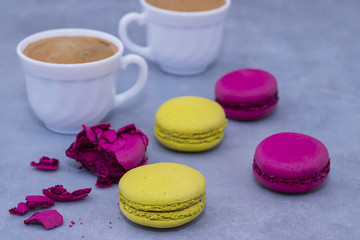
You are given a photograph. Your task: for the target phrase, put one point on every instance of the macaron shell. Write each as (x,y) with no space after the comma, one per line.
(158,224)
(190,124)
(162,195)
(190,114)
(246,86)
(291,155)
(291,162)
(162,184)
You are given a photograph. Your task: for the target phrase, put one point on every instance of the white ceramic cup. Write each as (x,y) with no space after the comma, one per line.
(182,43)
(65,96)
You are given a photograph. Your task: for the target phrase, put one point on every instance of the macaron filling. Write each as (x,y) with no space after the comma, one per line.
(306,180)
(159,208)
(166,212)
(190,138)
(251,107)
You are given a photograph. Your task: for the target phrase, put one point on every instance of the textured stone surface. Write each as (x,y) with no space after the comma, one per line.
(312,48)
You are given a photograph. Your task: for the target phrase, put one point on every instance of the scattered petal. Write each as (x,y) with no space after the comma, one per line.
(20,210)
(59,193)
(38,201)
(46,163)
(49,219)
(32,202)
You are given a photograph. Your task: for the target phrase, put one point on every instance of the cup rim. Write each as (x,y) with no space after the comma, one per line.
(68,32)
(179,13)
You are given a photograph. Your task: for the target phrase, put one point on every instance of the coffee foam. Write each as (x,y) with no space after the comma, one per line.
(187,5)
(70,49)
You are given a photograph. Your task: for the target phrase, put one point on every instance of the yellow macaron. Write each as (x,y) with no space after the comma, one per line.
(190,124)
(162,195)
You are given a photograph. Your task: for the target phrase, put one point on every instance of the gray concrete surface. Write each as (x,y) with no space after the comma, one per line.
(311,46)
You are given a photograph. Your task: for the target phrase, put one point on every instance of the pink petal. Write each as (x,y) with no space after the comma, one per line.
(20,210)
(38,201)
(32,202)
(46,163)
(59,193)
(49,219)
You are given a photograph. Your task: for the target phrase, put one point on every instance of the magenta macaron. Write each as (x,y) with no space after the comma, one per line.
(291,162)
(247,94)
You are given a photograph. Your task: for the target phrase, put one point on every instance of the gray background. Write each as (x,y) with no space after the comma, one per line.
(311,46)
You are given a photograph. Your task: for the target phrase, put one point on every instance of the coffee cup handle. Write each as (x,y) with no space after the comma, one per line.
(139,84)
(123,25)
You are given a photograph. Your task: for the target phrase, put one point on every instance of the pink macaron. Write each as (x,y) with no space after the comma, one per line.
(247,94)
(291,162)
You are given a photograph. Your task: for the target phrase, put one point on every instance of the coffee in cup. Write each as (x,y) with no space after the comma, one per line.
(187,5)
(70,49)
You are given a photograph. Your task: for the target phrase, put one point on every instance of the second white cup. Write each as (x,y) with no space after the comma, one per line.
(182,43)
